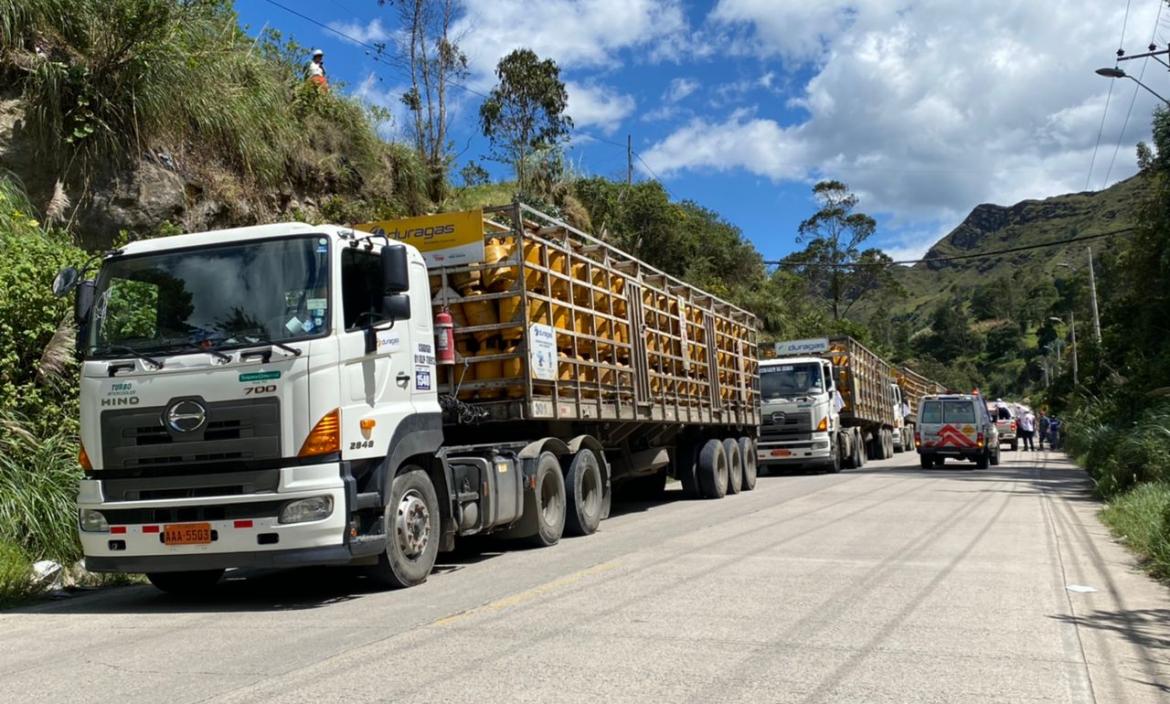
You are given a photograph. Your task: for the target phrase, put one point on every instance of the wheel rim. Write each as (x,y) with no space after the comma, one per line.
(550,507)
(412,524)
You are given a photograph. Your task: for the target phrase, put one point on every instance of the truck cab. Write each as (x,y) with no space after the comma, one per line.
(799,413)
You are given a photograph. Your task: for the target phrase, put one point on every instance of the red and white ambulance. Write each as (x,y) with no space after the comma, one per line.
(957,426)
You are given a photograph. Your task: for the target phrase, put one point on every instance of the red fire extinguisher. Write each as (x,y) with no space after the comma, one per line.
(444,337)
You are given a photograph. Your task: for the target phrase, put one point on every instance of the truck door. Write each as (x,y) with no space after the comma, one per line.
(376,369)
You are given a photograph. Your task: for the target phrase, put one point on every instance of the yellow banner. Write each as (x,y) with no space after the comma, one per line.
(445,239)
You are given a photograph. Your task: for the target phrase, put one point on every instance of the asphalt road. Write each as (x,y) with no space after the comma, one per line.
(889,584)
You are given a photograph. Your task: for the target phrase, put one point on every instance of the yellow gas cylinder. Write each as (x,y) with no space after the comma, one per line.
(512,369)
(458,319)
(586,377)
(533,257)
(565,365)
(490,370)
(581,291)
(480,311)
(499,278)
(600,293)
(464,281)
(557,263)
(509,309)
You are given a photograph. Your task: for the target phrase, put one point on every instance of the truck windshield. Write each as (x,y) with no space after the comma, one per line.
(784,380)
(216,296)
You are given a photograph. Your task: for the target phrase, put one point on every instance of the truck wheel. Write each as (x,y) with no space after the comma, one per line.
(983,460)
(734,465)
(712,470)
(549,503)
(995,457)
(412,531)
(859,453)
(901,446)
(747,455)
(583,493)
(889,443)
(185,583)
(686,470)
(926,461)
(939,462)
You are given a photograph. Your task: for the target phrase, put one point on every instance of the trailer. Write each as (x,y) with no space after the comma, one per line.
(297,394)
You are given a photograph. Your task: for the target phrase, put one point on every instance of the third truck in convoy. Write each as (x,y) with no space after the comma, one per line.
(298,394)
(831,403)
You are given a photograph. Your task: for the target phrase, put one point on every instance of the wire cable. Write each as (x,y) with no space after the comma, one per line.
(1108,97)
(1132,100)
(977,255)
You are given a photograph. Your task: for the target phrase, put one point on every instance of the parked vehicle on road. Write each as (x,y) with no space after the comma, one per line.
(278,396)
(825,404)
(1007,422)
(955,426)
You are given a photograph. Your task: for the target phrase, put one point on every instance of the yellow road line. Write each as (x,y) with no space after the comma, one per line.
(528,594)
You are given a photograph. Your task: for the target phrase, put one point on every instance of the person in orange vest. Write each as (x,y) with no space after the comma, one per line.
(316,69)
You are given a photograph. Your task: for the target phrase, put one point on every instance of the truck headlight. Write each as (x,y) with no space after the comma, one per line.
(821,445)
(93,521)
(303,510)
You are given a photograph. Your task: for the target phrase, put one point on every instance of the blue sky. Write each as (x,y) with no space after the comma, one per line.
(925,108)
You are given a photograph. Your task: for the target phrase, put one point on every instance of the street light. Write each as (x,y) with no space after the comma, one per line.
(1072,326)
(1118,73)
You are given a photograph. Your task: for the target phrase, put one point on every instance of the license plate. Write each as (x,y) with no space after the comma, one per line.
(781,453)
(187,534)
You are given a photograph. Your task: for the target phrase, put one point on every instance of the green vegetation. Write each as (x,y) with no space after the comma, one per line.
(1119,416)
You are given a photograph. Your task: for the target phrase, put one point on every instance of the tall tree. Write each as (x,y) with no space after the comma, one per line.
(435,62)
(525,112)
(833,262)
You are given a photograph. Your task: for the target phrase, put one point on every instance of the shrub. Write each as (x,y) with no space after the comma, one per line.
(15,574)
(38,490)
(1141,518)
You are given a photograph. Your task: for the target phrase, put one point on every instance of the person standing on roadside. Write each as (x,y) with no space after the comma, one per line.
(1054,427)
(1028,430)
(316,70)
(1042,426)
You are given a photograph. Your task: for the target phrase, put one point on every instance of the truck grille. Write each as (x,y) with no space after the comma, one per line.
(786,423)
(235,431)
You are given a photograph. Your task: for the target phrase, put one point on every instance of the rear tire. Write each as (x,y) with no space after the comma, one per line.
(939,462)
(995,458)
(926,461)
(412,527)
(858,451)
(686,470)
(549,496)
(983,460)
(584,489)
(747,455)
(195,583)
(734,465)
(712,470)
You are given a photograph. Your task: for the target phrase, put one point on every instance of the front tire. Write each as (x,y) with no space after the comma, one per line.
(583,493)
(712,470)
(412,523)
(195,583)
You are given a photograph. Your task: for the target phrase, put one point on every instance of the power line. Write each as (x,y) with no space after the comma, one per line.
(1133,99)
(984,255)
(1108,97)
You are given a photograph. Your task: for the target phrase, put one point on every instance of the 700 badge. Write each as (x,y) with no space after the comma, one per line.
(257,379)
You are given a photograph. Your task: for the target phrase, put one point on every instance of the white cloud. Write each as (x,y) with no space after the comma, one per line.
(679,89)
(371,91)
(363,33)
(575,33)
(592,105)
(928,109)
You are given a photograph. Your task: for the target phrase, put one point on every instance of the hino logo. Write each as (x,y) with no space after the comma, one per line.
(778,418)
(186,416)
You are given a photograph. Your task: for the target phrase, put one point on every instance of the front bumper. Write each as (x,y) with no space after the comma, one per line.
(246,531)
(810,450)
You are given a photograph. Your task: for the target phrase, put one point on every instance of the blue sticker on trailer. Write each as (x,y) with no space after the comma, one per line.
(422,379)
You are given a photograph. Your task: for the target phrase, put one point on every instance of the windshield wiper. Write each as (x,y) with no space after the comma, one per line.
(157,364)
(259,338)
(198,347)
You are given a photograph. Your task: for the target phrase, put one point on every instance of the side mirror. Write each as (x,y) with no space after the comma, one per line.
(396,306)
(395,270)
(83,303)
(65,281)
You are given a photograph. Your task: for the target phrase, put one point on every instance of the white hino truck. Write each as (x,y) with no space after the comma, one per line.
(270,396)
(825,404)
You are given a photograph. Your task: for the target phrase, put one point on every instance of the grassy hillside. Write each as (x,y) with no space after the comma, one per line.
(1030,222)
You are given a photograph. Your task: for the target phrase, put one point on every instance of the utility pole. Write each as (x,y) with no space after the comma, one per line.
(629,160)
(1093,299)
(1072,326)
